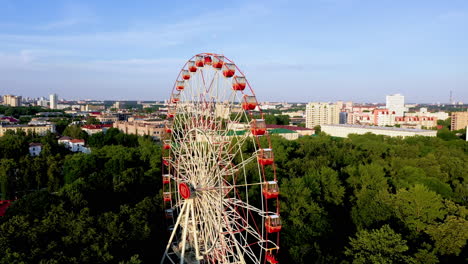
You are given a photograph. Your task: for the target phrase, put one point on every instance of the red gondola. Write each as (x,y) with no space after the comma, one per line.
(180,85)
(175,98)
(207,60)
(171,111)
(273,223)
(258,127)
(191,66)
(218,62)
(265,157)
(229,69)
(249,103)
(166,144)
(166,178)
(167,197)
(185,74)
(270,258)
(238,83)
(168,126)
(199,61)
(270,190)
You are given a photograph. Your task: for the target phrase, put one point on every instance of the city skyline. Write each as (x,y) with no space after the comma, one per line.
(324,50)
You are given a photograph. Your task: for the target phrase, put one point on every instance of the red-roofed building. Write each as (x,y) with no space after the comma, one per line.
(416,121)
(8,119)
(74,145)
(93,129)
(95,114)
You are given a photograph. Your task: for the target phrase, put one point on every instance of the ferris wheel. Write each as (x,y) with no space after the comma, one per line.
(221,205)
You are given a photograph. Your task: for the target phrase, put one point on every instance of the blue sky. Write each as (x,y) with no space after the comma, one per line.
(316,50)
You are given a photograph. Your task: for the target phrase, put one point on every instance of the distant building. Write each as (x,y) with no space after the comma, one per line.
(74,145)
(42,102)
(39,130)
(300,114)
(119,105)
(384,117)
(92,107)
(396,103)
(459,120)
(53,101)
(360,118)
(423,112)
(93,129)
(35,149)
(154,129)
(343,117)
(12,100)
(302,131)
(416,121)
(285,133)
(321,113)
(345,130)
(107,118)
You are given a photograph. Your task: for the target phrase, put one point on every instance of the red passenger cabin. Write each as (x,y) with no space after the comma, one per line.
(258,127)
(217,62)
(239,83)
(270,258)
(208,60)
(249,103)
(166,178)
(199,61)
(166,144)
(180,85)
(229,69)
(273,223)
(166,161)
(167,196)
(265,157)
(168,126)
(171,111)
(185,74)
(270,190)
(175,98)
(191,66)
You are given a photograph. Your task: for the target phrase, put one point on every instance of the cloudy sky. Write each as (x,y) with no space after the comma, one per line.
(312,50)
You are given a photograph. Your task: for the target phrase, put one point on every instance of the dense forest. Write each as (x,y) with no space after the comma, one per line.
(364,199)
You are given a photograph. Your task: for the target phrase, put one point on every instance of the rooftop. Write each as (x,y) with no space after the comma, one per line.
(293,128)
(381,128)
(96,126)
(77,141)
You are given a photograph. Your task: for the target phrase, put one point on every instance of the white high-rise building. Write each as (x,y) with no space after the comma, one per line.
(53,101)
(396,103)
(321,113)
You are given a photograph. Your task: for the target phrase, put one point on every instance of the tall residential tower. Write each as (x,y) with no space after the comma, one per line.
(53,101)
(321,113)
(396,103)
